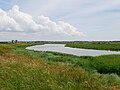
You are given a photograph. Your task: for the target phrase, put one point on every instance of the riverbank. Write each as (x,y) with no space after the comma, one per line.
(112,46)
(69,50)
(23,69)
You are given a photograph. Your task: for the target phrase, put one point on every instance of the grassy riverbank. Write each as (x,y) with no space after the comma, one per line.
(21,69)
(113,46)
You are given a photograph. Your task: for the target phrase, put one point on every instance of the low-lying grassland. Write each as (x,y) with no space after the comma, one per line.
(113,46)
(22,69)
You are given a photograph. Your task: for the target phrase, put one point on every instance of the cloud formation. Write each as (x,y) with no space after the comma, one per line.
(59,27)
(15,20)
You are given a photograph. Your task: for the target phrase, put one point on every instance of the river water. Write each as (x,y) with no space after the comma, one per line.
(68,50)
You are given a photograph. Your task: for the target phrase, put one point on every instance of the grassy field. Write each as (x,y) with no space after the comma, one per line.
(22,69)
(113,46)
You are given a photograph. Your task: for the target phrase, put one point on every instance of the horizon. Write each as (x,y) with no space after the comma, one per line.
(60,41)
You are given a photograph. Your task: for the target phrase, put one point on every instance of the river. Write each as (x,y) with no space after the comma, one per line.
(68,50)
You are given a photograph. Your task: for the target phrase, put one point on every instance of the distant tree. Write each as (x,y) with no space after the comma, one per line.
(12,41)
(16,41)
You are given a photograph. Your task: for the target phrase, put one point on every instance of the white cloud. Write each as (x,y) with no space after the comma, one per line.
(16,21)
(24,20)
(59,27)
(7,23)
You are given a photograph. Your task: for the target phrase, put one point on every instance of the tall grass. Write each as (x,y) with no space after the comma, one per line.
(21,69)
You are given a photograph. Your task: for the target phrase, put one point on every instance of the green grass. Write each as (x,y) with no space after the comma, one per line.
(114,46)
(22,69)
(107,64)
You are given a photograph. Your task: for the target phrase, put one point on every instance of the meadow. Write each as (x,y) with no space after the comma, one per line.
(22,69)
(113,45)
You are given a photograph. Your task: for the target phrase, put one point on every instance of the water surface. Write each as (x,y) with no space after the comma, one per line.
(68,50)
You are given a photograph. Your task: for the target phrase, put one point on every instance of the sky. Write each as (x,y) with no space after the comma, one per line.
(60,20)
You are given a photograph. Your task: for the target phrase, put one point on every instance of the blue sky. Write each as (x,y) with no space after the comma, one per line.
(97,20)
